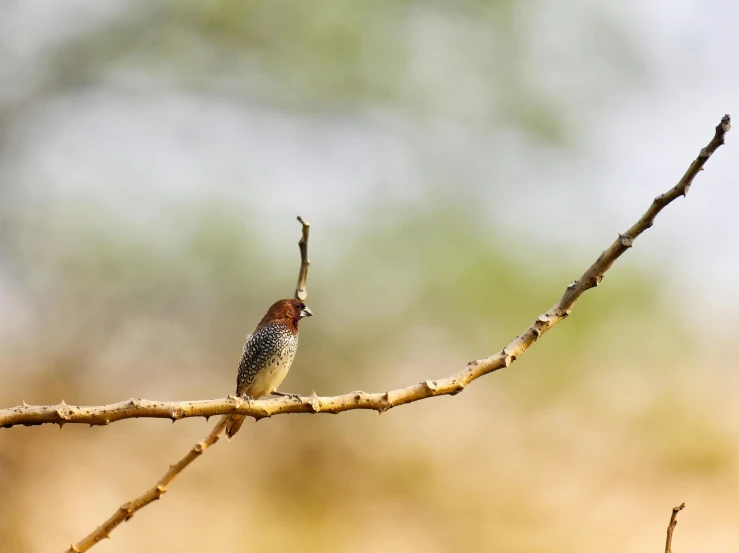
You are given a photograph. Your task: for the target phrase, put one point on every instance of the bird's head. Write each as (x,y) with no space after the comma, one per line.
(288,311)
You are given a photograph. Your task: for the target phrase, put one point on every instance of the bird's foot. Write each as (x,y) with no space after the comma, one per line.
(248,399)
(286,394)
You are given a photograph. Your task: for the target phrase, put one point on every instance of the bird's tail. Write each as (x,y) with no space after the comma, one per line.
(233,425)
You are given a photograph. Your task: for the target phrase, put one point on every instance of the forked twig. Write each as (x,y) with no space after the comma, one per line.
(127,510)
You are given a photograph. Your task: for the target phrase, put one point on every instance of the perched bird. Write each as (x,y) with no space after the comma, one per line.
(268,354)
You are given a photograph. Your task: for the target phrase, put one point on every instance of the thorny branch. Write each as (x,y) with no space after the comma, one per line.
(671,527)
(127,510)
(105,414)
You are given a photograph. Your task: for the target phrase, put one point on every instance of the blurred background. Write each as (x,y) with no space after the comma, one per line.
(460,163)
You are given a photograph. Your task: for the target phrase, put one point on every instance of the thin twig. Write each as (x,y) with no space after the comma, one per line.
(671,526)
(132,408)
(127,510)
(301,290)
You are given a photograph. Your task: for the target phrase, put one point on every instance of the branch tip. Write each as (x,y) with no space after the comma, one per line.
(725,123)
(671,526)
(301,291)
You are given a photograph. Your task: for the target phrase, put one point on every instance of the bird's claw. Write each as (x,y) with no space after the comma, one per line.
(248,399)
(287,394)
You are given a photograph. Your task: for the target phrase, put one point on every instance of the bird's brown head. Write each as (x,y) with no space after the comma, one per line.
(288,311)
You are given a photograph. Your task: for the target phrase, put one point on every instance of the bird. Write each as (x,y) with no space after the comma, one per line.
(268,353)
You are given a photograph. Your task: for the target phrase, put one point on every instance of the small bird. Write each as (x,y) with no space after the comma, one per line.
(268,354)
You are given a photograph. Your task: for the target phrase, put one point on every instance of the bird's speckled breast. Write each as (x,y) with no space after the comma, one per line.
(267,357)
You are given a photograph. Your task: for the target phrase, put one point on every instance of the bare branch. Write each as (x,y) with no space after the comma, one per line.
(301,291)
(100,415)
(127,510)
(671,526)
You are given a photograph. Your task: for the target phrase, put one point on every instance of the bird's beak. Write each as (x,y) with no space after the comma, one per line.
(305,312)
